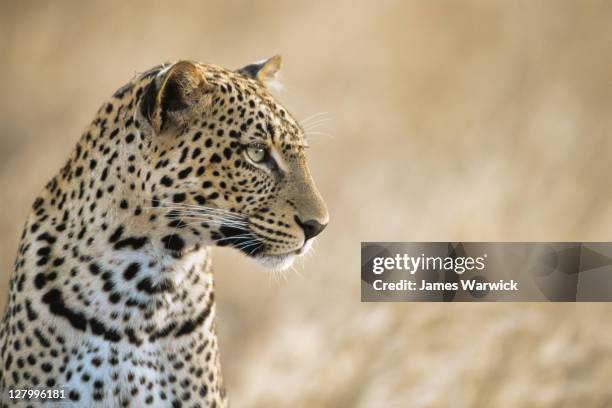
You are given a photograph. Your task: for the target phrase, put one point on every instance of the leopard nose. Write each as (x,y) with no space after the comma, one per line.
(311,228)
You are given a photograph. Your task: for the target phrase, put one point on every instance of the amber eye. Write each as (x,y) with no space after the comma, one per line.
(257,153)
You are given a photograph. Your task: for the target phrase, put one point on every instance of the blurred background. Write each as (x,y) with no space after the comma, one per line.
(445,121)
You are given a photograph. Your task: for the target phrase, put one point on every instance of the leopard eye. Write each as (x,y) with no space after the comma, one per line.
(256,153)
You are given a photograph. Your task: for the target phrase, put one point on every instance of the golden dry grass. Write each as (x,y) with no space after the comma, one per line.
(464,120)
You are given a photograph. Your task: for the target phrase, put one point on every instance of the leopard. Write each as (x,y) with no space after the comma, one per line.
(111,298)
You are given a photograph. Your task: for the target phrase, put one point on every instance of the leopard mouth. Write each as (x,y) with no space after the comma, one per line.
(254,247)
(242,239)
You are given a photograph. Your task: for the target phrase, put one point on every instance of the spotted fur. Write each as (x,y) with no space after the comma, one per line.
(112,295)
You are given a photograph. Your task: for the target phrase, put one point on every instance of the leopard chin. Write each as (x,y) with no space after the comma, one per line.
(276,262)
(283,261)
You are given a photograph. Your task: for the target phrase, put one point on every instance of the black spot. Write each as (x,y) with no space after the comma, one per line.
(227,152)
(173,242)
(215,158)
(38,203)
(73,395)
(97,327)
(108,286)
(114,297)
(84,229)
(166,181)
(46,237)
(131,270)
(184,155)
(94,269)
(134,242)
(44,251)
(179,198)
(40,280)
(32,315)
(41,339)
(42,261)
(132,338)
(129,138)
(177,224)
(191,324)
(163,332)
(184,173)
(9,361)
(112,335)
(145,285)
(116,235)
(54,299)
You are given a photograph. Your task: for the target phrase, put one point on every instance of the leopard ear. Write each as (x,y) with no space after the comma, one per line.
(264,71)
(175,96)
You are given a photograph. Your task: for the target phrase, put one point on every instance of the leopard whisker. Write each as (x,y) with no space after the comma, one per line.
(313,116)
(202,212)
(315,133)
(209,219)
(253,245)
(216,223)
(186,205)
(316,124)
(201,216)
(236,237)
(200,209)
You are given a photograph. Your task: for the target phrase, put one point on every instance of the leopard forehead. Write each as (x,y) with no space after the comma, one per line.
(241,108)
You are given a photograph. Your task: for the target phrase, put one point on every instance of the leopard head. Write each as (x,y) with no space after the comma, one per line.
(229,162)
